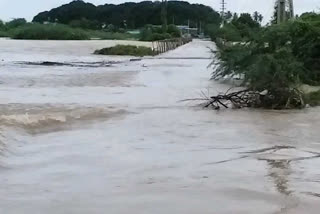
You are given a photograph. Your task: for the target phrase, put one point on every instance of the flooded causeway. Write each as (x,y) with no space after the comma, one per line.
(81,134)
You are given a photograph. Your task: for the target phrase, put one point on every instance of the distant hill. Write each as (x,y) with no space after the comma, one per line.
(133,15)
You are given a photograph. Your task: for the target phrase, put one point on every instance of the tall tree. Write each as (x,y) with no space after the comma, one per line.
(256,16)
(260,18)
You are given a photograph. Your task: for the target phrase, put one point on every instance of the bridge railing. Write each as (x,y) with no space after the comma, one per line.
(163,46)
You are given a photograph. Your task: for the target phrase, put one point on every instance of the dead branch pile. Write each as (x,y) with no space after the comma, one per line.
(281,99)
(239,99)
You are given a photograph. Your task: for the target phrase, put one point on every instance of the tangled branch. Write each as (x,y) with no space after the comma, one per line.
(281,99)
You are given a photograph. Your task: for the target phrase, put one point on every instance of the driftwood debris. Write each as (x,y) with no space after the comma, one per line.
(238,99)
(276,99)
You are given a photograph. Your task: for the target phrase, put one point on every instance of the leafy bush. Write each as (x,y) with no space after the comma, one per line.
(229,32)
(49,32)
(174,31)
(129,50)
(16,23)
(159,36)
(85,24)
(212,31)
(2,25)
(302,38)
(4,34)
(243,28)
(155,33)
(111,35)
(146,34)
(278,59)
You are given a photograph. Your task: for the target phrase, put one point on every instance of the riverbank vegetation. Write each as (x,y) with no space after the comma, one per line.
(49,31)
(273,61)
(7,28)
(155,33)
(126,50)
(146,21)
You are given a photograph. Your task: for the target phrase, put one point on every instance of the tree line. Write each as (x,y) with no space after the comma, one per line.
(129,15)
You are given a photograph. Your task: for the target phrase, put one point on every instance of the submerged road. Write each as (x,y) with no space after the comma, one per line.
(96,134)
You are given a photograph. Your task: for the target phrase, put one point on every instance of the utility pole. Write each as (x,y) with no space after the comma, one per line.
(291,9)
(223,11)
(282,13)
(164,14)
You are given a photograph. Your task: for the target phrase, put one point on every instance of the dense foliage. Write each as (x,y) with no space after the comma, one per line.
(20,29)
(128,15)
(127,50)
(7,28)
(236,27)
(278,58)
(154,33)
(49,32)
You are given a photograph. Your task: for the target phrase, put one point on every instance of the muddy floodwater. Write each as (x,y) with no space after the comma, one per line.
(86,134)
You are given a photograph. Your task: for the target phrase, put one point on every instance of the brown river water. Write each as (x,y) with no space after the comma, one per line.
(86,134)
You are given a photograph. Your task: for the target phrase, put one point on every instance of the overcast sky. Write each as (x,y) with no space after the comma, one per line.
(28,8)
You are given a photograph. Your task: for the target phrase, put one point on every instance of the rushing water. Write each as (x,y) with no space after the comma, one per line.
(93,134)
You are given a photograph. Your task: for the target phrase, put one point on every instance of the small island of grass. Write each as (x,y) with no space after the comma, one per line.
(126,50)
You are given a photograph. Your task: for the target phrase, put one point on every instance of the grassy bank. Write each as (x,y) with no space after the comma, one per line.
(126,50)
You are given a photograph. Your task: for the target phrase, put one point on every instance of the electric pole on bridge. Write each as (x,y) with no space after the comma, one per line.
(282,13)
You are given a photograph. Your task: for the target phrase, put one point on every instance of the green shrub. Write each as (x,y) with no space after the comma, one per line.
(155,33)
(212,31)
(2,26)
(129,50)
(174,31)
(4,34)
(16,23)
(85,24)
(158,36)
(230,33)
(49,32)
(278,59)
(146,34)
(111,35)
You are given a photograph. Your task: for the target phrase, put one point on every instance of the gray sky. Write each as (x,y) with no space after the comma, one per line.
(28,8)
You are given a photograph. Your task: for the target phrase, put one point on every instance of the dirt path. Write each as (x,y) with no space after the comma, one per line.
(92,140)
